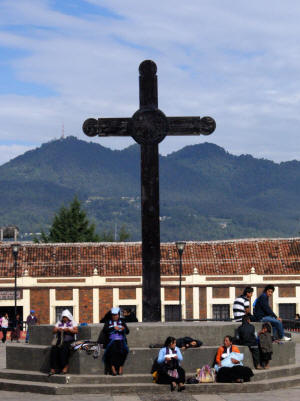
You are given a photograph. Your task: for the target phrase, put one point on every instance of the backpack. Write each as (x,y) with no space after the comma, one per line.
(206,374)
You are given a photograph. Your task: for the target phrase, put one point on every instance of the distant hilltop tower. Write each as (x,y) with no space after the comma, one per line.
(62,131)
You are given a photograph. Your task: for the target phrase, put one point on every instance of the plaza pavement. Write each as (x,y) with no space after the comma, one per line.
(290,394)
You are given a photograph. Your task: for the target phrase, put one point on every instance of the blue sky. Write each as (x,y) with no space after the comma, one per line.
(63,61)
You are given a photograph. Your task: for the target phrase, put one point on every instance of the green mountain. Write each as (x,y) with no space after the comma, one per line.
(205,192)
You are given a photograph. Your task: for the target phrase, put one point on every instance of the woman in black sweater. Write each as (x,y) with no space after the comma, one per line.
(115,343)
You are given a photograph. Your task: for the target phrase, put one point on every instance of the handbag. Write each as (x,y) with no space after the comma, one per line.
(206,374)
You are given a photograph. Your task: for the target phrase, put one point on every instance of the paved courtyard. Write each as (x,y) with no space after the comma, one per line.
(291,394)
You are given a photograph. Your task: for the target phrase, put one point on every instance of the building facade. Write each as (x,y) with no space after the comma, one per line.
(90,278)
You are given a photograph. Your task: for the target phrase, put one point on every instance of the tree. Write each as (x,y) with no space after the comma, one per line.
(124,235)
(71,225)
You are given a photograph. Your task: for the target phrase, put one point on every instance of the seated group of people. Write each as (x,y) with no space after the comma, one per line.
(260,346)
(112,336)
(228,366)
(262,312)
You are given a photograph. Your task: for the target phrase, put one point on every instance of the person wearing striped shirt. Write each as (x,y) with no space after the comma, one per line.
(241,306)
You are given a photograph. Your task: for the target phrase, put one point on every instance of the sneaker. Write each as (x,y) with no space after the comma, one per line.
(284,338)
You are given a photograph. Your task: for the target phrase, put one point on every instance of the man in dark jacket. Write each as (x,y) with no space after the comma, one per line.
(246,334)
(129,315)
(264,313)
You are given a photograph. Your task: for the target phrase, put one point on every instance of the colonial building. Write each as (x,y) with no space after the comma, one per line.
(89,278)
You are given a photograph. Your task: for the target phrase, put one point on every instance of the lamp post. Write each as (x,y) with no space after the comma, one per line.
(180,248)
(15,251)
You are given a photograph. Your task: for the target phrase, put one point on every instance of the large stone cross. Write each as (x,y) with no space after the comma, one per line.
(149,126)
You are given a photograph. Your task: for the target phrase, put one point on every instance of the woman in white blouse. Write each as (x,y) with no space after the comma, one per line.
(4,327)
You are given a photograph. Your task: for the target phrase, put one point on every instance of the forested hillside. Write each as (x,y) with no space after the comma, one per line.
(205,192)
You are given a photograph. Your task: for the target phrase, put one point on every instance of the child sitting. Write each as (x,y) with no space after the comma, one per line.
(265,345)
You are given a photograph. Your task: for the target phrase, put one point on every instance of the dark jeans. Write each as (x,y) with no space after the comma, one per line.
(255,355)
(276,324)
(4,332)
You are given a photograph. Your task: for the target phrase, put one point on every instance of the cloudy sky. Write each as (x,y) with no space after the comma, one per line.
(238,61)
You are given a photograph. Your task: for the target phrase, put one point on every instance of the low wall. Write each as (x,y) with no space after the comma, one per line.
(144,334)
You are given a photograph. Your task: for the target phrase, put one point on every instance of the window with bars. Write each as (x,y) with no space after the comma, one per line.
(287,311)
(172,313)
(221,312)
(60,309)
(131,307)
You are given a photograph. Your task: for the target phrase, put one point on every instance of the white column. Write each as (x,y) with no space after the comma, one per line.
(139,306)
(209,302)
(95,305)
(162,297)
(183,301)
(231,300)
(276,301)
(115,296)
(52,299)
(76,304)
(196,309)
(297,299)
(26,303)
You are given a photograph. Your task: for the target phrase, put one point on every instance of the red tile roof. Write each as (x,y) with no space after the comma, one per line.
(267,256)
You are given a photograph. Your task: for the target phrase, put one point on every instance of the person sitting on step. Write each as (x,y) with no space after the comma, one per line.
(115,343)
(246,334)
(65,329)
(169,369)
(263,313)
(229,365)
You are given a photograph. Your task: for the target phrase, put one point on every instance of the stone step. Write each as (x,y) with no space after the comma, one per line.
(121,388)
(139,361)
(75,379)
(19,375)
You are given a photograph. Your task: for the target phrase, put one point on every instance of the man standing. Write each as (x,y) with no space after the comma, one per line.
(264,313)
(241,306)
(31,321)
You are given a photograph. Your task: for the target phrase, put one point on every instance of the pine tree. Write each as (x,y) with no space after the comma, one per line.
(71,225)
(124,235)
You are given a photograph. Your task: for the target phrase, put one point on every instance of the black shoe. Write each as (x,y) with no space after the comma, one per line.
(182,388)
(51,374)
(173,388)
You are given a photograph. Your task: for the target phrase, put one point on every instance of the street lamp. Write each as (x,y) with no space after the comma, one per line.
(180,248)
(15,251)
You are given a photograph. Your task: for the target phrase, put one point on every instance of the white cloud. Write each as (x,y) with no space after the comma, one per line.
(231,60)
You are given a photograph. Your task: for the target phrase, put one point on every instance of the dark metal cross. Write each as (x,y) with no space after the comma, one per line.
(149,126)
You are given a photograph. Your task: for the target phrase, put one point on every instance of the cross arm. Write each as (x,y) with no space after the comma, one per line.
(106,127)
(191,125)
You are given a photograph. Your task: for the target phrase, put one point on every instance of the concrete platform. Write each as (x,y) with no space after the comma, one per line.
(25,363)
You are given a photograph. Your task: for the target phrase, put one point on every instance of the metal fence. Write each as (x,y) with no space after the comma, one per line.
(291,324)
